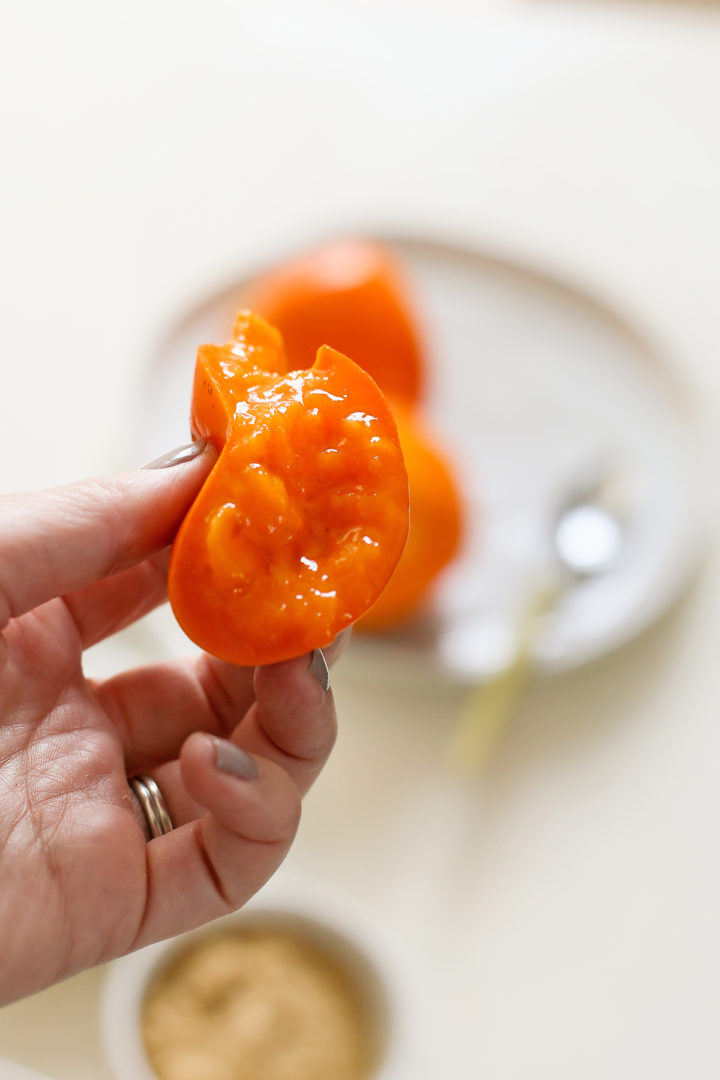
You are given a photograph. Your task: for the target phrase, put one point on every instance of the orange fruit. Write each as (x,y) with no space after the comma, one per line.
(350,294)
(305,513)
(435,526)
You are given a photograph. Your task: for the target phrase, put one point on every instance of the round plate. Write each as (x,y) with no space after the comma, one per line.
(533,387)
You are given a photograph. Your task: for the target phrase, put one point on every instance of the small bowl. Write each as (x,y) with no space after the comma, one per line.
(12,1070)
(338,932)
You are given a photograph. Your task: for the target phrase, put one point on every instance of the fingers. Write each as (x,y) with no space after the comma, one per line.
(292,724)
(235,812)
(107,606)
(292,721)
(155,708)
(58,541)
(213,865)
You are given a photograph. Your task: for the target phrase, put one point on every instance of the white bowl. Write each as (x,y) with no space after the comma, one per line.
(333,925)
(11,1070)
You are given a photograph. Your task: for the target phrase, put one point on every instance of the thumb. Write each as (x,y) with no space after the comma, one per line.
(53,542)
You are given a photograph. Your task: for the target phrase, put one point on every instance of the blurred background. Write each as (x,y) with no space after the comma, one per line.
(556,910)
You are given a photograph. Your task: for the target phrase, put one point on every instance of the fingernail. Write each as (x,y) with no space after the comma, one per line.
(319,669)
(178,456)
(230,758)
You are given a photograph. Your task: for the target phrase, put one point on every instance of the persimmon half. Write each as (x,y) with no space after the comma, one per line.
(305,514)
(436,525)
(350,294)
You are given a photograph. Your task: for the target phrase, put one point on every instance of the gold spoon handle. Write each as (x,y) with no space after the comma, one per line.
(489,708)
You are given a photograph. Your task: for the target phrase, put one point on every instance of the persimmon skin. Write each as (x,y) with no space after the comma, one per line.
(305,514)
(436,527)
(350,294)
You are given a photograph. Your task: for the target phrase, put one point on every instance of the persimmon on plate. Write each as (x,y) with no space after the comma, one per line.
(436,525)
(351,294)
(305,514)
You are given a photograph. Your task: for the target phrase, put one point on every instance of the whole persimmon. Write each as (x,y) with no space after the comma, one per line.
(436,517)
(351,294)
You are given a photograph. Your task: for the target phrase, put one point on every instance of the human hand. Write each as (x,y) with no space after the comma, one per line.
(231,749)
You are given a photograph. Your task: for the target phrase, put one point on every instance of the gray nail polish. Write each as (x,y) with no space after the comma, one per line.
(230,758)
(178,456)
(319,669)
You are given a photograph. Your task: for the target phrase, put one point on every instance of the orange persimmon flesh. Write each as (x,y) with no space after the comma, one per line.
(436,517)
(350,294)
(305,514)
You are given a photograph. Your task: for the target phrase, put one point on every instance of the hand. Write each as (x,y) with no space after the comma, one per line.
(232,750)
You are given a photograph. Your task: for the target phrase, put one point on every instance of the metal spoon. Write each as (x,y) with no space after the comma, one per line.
(588,531)
(590,526)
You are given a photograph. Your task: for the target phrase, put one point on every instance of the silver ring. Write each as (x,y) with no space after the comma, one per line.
(153,805)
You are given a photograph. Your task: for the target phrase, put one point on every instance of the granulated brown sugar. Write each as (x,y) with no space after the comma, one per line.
(259,1004)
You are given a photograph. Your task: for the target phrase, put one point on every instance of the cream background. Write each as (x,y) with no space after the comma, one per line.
(561,917)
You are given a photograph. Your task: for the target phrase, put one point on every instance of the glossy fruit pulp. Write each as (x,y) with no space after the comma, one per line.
(305,514)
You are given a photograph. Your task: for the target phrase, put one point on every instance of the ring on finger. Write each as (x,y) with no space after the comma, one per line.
(153,805)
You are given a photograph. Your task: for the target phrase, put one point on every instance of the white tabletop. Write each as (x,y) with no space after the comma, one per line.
(561,914)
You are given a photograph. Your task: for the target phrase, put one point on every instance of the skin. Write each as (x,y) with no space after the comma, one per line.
(81,882)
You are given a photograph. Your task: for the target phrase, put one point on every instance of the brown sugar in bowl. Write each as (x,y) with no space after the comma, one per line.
(274,992)
(261,1002)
